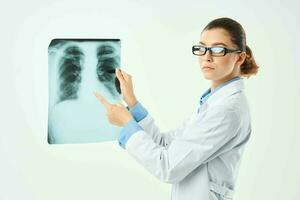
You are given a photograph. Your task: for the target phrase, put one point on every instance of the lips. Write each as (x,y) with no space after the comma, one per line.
(207,67)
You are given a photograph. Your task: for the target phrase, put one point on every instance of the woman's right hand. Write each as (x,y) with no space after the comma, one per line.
(126,87)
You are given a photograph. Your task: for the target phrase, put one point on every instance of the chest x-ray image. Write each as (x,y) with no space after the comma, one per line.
(77,68)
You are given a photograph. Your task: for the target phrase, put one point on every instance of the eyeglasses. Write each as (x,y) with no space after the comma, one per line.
(200,50)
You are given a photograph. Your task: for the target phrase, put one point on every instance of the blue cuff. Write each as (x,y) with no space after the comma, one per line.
(127,131)
(138,111)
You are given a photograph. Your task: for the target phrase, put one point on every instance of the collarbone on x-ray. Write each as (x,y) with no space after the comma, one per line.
(77,68)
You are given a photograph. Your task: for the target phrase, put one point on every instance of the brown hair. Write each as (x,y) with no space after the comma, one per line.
(238,37)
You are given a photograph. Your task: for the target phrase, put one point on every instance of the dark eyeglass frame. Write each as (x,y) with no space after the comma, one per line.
(226,50)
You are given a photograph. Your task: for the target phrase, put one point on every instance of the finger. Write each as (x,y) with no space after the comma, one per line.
(120,76)
(119,104)
(125,75)
(103,100)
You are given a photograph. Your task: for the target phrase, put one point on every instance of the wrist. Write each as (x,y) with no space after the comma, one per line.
(132,103)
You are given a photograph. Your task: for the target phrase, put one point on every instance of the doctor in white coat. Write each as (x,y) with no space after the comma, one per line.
(201,157)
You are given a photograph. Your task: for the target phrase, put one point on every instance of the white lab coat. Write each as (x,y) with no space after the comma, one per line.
(201,157)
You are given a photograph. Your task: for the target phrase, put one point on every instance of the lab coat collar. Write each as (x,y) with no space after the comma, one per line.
(225,91)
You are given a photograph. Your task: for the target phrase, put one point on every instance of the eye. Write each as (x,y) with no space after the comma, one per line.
(198,50)
(201,49)
(218,50)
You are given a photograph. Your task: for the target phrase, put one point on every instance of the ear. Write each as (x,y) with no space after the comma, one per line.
(241,59)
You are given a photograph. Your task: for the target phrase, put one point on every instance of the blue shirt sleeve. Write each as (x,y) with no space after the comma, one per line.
(138,111)
(127,131)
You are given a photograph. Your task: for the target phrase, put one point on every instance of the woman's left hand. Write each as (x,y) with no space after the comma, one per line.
(117,114)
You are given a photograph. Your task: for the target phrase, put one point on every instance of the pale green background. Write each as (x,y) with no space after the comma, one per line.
(156,50)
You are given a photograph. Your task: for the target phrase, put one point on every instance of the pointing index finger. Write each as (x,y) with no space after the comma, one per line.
(102,100)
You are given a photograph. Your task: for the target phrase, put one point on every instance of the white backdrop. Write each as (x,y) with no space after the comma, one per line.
(156,44)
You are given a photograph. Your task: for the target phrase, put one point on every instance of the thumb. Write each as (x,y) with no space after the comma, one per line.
(120,76)
(125,75)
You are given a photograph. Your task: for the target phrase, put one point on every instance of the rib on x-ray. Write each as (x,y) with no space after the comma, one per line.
(77,68)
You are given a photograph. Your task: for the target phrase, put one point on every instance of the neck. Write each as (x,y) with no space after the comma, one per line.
(216,83)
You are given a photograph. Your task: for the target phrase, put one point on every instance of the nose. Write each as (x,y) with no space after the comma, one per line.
(207,56)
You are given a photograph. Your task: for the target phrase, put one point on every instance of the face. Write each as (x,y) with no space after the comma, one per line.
(219,69)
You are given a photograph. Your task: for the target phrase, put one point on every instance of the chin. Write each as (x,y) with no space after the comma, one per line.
(207,76)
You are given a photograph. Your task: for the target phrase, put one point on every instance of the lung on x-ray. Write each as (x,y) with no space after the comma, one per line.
(77,68)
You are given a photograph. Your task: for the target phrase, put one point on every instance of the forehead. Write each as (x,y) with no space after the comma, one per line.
(214,36)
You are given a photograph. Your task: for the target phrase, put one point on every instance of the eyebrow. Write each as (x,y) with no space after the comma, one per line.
(216,43)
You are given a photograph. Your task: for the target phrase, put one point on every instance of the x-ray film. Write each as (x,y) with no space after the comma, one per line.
(77,68)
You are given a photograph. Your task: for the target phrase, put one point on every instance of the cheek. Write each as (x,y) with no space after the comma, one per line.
(199,60)
(220,63)
(226,64)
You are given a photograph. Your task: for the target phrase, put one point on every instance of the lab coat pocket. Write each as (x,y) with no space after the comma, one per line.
(218,192)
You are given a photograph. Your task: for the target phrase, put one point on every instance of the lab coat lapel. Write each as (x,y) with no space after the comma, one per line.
(227,90)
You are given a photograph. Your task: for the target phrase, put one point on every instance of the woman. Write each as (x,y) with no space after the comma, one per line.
(200,158)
